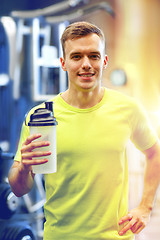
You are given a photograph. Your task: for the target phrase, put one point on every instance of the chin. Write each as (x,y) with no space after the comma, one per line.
(87,88)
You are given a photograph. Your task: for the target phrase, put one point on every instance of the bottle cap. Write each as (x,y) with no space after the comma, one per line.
(43,116)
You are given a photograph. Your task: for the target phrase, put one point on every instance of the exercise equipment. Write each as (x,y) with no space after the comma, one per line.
(16,231)
(8,201)
(11,225)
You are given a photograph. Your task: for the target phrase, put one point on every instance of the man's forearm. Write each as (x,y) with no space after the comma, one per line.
(151,181)
(20,181)
(138,218)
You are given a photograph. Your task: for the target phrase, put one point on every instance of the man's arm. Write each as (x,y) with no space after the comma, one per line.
(138,218)
(21,181)
(20,176)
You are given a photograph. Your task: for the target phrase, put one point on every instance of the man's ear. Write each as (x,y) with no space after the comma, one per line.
(105,62)
(63,64)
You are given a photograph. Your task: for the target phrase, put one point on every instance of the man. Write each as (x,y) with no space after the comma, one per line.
(87,198)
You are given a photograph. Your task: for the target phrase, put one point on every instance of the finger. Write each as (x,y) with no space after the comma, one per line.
(128,217)
(28,162)
(127,227)
(138,227)
(33,145)
(30,155)
(31,138)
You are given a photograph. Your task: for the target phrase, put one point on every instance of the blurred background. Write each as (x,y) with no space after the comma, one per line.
(30,73)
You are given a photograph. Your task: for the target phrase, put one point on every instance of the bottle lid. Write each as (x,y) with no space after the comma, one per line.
(43,116)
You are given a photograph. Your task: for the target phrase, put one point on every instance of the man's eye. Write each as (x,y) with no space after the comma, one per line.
(94,56)
(76,57)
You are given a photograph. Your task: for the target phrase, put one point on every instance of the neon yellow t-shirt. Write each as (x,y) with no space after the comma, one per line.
(89,193)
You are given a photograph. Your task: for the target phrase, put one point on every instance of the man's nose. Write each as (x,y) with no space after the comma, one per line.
(86,63)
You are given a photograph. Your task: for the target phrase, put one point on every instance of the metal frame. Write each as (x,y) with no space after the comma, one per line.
(38,61)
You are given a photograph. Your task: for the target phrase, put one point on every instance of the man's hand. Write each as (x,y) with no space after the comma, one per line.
(135,220)
(30,157)
(20,176)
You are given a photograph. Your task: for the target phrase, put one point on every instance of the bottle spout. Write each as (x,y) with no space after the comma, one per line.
(49,106)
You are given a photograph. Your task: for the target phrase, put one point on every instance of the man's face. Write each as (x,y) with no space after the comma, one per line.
(84,61)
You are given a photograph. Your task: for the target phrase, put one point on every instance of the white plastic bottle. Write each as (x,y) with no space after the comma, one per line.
(43,121)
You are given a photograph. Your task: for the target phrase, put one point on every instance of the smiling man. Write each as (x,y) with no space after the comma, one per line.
(84,60)
(87,198)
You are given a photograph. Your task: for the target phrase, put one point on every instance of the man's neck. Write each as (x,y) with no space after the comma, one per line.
(83,99)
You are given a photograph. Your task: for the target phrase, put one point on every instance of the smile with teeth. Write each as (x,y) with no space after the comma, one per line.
(86,74)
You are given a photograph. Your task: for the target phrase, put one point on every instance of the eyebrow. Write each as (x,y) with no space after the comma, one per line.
(74,53)
(94,52)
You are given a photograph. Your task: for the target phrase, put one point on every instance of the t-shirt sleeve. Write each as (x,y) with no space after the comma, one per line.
(143,135)
(24,135)
(25,131)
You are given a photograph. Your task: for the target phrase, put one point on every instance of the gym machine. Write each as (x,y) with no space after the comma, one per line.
(14,224)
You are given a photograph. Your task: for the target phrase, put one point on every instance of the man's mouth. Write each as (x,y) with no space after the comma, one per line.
(86,74)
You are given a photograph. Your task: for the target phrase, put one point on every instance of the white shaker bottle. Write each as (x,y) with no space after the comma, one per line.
(43,121)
